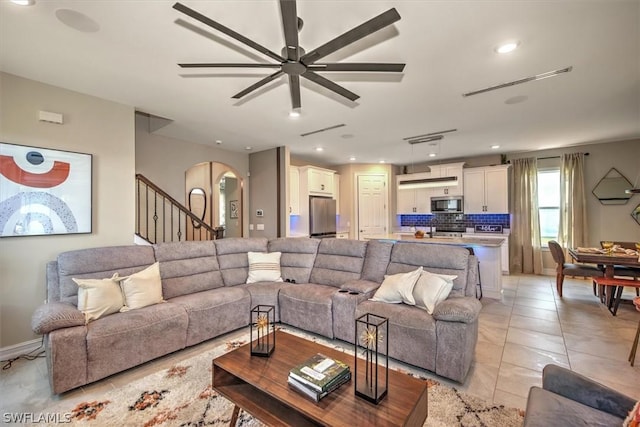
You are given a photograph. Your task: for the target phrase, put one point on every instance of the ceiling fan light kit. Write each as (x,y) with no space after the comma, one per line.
(294,62)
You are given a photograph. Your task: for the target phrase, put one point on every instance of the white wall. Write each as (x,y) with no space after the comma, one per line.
(91,125)
(165,160)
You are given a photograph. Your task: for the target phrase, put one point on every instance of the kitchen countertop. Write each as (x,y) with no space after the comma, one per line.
(456,241)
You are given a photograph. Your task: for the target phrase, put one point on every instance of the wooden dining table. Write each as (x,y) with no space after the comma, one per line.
(608,261)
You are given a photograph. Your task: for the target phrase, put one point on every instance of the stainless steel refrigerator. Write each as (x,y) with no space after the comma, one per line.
(322,217)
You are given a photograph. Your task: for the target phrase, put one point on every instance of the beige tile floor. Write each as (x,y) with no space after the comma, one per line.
(529,328)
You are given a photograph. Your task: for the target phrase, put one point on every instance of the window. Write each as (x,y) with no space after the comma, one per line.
(549,204)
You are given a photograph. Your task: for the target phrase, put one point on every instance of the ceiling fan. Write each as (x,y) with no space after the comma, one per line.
(293,61)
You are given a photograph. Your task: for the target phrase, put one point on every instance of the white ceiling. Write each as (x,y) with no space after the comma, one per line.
(448,47)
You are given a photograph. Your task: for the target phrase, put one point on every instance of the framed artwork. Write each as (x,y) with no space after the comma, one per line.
(234,207)
(44,191)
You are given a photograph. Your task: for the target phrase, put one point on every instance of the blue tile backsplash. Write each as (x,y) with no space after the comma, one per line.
(444,220)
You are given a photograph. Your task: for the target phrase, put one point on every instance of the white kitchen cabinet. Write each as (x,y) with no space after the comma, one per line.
(319,182)
(504,248)
(486,190)
(447,170)
(294,190)
(414,200)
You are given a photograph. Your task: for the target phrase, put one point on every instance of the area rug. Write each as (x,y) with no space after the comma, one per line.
(182,396)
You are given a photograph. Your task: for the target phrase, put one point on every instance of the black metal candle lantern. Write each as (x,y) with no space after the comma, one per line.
(263,336)
(372,357)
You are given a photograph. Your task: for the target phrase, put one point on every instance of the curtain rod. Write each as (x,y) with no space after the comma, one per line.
(555,157)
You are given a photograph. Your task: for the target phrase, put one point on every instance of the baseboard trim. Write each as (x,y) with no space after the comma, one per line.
(549,271)
(16,350)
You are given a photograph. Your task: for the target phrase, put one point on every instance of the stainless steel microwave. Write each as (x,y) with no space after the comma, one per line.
(451,204)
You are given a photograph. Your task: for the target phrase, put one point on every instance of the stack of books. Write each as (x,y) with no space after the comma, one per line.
(318,376)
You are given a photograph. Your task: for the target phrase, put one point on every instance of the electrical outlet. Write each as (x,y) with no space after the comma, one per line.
(259,212)
(250,226)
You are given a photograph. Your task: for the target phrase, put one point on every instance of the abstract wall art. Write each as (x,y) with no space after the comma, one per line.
(44,191)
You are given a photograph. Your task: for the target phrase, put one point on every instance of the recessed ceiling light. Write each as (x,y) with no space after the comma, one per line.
(493,147)
(507,47)
(352,158)
(248,148)
(319,149)
(218,141)
(432,154)
(381,161)
(516,99)
(77,21)
(24,2)
(294,114)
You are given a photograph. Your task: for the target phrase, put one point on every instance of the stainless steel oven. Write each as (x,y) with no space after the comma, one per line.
(451,204)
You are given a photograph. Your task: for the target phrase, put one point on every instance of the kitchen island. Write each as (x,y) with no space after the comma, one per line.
(487,250)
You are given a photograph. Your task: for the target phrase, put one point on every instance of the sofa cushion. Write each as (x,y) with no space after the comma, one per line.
(141,289)
(412,332)
(308,307)
(264,267)
(545,408)
(124,340)
(266,293)
(298,256)
(99,297)
(376,260)
(444,259)
(188,267)
(398,288)
(233,259)
(98,263)
(214,312)
(338,261)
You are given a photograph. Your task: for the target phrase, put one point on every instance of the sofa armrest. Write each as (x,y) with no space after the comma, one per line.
(458,309)
(56,315)
(579,388)
(361,286)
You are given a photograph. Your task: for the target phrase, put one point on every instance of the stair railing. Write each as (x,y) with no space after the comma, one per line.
(160,218)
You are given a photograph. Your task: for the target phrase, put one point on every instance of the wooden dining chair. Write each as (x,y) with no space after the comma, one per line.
(568,269)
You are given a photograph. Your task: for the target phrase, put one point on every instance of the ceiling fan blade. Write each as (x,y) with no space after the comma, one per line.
(353,35)
(228,31)
(222,65)
(362,66)
(316,78)
(258,84)
(290,25)
(294,86)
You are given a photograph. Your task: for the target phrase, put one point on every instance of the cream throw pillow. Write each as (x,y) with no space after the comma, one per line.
(264,267)
(398,288)
(142,288)
(99,297)
(431,290)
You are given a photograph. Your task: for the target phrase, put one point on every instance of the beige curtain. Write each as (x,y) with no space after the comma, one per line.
(525,253)
(573,211)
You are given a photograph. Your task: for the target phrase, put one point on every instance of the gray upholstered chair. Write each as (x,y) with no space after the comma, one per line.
(567,269)
(569,399)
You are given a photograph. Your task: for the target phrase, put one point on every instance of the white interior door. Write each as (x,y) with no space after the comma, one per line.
(372,205)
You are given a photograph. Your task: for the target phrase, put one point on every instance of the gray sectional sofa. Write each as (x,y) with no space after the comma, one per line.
(329,283)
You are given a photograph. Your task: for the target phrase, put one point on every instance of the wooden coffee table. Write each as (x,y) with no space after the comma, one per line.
(259,386)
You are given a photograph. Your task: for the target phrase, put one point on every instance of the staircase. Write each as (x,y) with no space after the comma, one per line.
(160,218)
